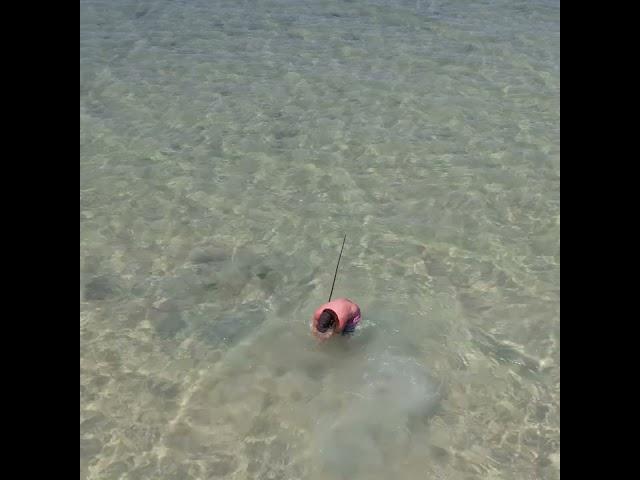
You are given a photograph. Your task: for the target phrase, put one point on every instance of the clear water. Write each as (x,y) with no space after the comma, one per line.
(226,147)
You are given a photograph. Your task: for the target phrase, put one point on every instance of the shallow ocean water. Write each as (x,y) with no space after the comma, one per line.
(225,147)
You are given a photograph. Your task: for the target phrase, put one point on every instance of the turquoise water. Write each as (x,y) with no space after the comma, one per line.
(225,149)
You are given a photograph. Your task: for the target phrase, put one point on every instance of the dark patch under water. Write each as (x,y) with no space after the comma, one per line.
(99,288)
